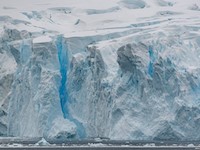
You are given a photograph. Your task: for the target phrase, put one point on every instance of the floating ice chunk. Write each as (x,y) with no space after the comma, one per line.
(190,145)
(96,144)
(150,145)
(42,142)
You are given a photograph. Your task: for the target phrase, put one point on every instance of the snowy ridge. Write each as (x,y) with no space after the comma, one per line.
(123,69)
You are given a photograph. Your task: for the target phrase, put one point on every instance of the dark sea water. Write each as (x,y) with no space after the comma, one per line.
(53,142)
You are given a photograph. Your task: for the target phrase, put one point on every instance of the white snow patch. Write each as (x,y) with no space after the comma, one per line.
(42,39)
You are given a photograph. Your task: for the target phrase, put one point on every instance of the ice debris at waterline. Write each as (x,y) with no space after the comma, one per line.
(42,142)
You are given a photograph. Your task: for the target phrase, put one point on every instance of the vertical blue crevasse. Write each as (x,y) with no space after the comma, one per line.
(63,60)
(62,56)
(152,59)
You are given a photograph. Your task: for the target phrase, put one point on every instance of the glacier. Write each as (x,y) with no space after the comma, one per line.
(75,70)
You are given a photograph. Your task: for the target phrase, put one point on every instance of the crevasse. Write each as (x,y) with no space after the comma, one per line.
(63,60)
(151,56)
(62,56)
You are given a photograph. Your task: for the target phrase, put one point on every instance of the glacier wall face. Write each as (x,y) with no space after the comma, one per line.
(36,73)
(136,88)
(76,69)
(89,97)
(141,90)
(34,107)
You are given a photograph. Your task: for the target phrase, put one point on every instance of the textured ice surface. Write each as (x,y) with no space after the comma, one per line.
(122,69)
(42,142)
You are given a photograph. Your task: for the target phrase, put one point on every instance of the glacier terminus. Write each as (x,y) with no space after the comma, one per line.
(118,69)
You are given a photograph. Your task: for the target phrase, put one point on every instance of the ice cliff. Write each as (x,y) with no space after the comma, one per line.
(101,71)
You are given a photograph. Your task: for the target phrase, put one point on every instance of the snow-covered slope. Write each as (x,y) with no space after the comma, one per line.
(122,69)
